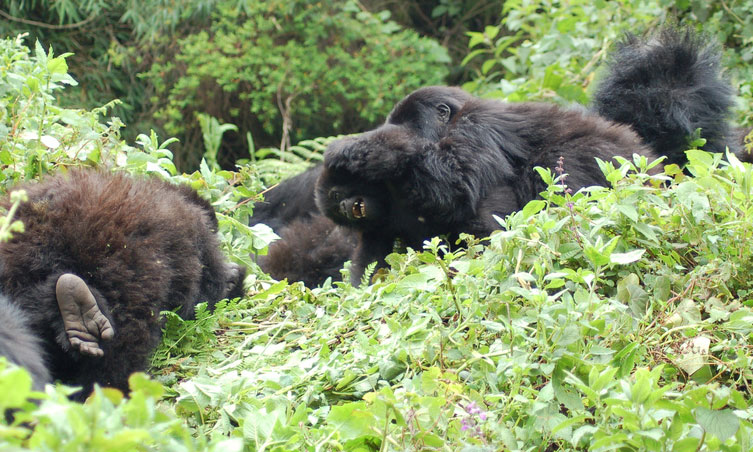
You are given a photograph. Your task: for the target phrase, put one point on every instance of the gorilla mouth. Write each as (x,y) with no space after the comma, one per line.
(359,209)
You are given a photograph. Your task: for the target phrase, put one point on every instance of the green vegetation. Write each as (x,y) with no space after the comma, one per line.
(613,319)
(281,71)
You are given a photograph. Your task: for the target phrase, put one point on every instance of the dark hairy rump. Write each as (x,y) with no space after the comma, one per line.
(665,87)
(141,245)
(19,345)
(311,247)
(309,250)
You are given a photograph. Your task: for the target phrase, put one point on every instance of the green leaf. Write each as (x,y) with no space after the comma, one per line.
(721,423)
(487,66)
(352,420)
(533,207)
(16,384)
(57,65)
(630,292)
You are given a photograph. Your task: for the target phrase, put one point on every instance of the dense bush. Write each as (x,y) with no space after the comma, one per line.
(291,70)
(283,71)
(112,42)
(448,21)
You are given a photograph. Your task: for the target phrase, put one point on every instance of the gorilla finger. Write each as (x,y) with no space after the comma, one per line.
(86,347)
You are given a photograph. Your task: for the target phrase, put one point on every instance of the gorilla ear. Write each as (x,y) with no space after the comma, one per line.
(444,112)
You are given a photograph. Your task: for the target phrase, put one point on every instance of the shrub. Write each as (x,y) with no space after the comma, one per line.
(288,70)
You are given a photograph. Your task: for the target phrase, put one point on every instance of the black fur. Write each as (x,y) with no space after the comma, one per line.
(414,187)
(743,138)
(666,87)
(311,247)
(141,246)
(291,199)
(310,250)
(445,162)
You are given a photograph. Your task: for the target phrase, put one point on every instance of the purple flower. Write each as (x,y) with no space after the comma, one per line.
(470,423)
(472,408)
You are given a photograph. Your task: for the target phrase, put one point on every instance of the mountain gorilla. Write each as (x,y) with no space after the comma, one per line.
(100,256)
(445,162)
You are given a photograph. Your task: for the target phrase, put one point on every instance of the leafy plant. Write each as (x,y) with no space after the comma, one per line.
(549,49)
(287,71)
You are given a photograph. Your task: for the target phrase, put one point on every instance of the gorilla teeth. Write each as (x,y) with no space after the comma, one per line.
(359,209)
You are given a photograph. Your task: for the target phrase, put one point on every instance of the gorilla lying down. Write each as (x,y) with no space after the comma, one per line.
(311,247)
(101,255)
(445,162)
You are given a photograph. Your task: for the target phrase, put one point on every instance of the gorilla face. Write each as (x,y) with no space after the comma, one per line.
(360,205)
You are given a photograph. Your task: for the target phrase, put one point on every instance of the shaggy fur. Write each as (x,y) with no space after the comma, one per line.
(445,162)
(665,88)
(19,345)
(309,250)
(311,247)
(141,246)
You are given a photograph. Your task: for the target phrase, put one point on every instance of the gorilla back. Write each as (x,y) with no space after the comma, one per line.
(392,182)
(101,255)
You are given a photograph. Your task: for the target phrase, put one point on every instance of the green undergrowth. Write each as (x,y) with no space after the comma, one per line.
(609,319)
(612,319)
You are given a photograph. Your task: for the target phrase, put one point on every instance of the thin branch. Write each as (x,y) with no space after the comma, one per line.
(49,26)
(287,120)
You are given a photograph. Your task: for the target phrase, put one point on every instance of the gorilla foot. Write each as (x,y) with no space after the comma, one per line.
(84,322)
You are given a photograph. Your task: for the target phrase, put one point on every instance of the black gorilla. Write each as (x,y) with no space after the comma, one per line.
(101,255)
(445,162)
(398,181)
(311,247)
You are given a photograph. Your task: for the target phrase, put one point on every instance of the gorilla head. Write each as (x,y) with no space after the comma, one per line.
(427,111)
(360,205)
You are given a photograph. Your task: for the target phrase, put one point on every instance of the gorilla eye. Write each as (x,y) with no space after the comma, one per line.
(334,194)
(444,112)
